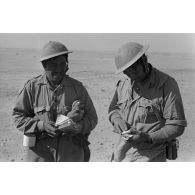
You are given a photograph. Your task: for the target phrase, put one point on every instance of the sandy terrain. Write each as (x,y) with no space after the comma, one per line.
(96,71)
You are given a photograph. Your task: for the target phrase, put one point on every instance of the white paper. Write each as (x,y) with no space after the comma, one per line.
(61,119)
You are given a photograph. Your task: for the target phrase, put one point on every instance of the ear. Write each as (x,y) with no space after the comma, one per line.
(147,69)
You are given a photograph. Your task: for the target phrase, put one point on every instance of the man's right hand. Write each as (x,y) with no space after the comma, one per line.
(119,125)
(75,115)
(50,128)
(77,112)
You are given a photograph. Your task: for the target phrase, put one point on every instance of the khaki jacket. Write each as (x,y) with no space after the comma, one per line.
(157,104)
(38,101)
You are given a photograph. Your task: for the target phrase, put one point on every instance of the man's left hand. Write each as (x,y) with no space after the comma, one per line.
(135,136)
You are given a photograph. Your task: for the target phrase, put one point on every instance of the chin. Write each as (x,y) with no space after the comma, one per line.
(58,80)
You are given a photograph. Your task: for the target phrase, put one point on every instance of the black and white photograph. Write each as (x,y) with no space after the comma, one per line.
(97,97)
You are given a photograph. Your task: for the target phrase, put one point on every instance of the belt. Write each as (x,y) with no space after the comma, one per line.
(45,135)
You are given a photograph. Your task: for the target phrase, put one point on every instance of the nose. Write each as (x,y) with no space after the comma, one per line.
(59,68)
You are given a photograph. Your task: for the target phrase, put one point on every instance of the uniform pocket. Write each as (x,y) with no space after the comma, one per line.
(40,109)
(42,112)
(149,113)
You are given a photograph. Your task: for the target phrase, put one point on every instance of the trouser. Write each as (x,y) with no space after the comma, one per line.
(160,158)
(59,149)
(121,154)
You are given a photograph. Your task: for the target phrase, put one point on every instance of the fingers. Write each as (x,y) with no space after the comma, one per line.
(50,128)
(75,104)
(126,132)
(130,135)
(126,135)
(76,115)
(69,126)
(133,131)
(51,123)
(122,125)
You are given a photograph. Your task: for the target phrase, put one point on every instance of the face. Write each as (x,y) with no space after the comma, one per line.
(55,69)
(136,72)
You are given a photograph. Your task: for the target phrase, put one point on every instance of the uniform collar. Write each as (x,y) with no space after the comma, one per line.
(157,78)
(43,81)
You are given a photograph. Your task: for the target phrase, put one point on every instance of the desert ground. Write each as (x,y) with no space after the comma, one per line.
(96,71)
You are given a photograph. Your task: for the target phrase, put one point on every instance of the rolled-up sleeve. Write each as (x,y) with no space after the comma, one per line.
(173,111)
(23,113)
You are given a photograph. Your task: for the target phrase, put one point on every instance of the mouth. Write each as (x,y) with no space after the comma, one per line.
(56,76)
(56,73)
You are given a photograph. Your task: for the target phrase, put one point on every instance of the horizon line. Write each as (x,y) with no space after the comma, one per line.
(98,50)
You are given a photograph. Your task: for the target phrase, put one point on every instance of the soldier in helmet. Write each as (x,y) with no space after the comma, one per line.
(146,110)
(46,97)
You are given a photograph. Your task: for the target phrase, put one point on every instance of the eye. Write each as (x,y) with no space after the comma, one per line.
(50,66)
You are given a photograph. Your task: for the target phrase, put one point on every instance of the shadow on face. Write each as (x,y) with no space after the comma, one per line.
(55,68)
(135,72)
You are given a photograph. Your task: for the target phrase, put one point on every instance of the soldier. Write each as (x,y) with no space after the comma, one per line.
(48,96)
(146,110)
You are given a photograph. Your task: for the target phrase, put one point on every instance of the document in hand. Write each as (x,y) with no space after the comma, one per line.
(62,120)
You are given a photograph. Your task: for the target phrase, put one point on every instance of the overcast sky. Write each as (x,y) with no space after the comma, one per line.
(159,42)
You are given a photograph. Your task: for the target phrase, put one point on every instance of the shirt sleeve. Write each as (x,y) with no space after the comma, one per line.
(90,118)
(114,110)
(23,112)
(173,113)
(166,133)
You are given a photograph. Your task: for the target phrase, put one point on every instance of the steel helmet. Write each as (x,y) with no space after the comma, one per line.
(53,49)
(128,54)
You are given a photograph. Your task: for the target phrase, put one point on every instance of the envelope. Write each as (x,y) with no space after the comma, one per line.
(61,120)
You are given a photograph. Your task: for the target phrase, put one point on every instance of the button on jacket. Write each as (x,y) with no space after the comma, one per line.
(38,101)
(148,108)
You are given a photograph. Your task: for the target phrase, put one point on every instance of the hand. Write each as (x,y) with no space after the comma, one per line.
(127,135)
(77,112)
(77,105)
(135,136)
(50,128)
(119,125)
(76,115)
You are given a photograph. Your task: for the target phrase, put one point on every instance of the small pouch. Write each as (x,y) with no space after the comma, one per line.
(171,149)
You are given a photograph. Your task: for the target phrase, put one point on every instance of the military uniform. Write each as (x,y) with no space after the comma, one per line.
(148,108)
(40,102)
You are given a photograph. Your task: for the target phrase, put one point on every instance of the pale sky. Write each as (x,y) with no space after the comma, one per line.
(159,42)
